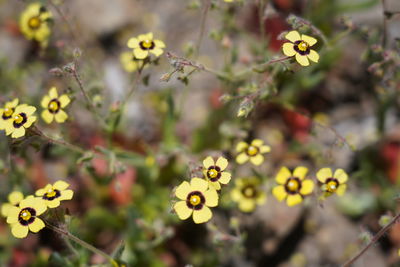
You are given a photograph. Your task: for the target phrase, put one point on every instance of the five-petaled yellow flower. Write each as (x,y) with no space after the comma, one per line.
(253,152)
(14,198)
(21,119)
(53,194)
(25,217)
(195,199)
(299,46)
(34,23)
(145,44)
(292,187)
(53,105)
(130,63)
(7,112)
(215,172)
(248,193)
(332,183)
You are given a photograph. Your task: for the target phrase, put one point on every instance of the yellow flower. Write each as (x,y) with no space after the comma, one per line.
(299,46)
(253,152)
(21,120)
(7,112)
(25,217)
(34,23)
(248,193)
(54,105)
(129,62)
(195,199)
(144,44)
(53,194)
(14,198)
(292,187)
(214,172)
(332,183)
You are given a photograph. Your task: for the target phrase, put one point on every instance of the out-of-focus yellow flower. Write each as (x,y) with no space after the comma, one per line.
(14,198)
(215,172)
(130,63)
(7,112)
(292,187)
(248,193)
(299,46)
(252,152)
(145,44)
(195,199)
(25,217)
(21,119)
(53,105)
(34,23)
(53,194)
(332,183)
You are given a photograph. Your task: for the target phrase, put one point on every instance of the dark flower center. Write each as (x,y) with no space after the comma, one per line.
(7,113)
(331,185)
(34,23)
(54,106)
(19,120)
(249,191)
(147,45)
(214,173)
(301,47)
(26,216)
(293,185)
(51,194)
(252,151)
(195,200)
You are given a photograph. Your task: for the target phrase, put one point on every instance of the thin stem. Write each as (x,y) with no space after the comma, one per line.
(261,7)
(88,246)
(373,241)
(207,6)
(384,37)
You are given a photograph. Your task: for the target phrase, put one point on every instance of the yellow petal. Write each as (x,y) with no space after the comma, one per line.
(203,215)
(341,175)
(61,185)
(182,210)
(242,158)
(222,163)
(140,54)
(17,133)
(294,200)
(215,185)
(159,43)
(265,149)
(38,204)
(225,178)
(302,60)
(288,49)
(19,231)
(37,225)
(53,203)
(300,172)
(341,189)
(293,36)
(5,208)
(257,142)
(15,197)
(133,43)
(64,100)
(279,192)
(307,186)
(157,51)
(211,197)
(261,198)
(182,190)
(236,195)
(324,174)
(66,195)
(257,159)
(247,205)
(208,162)
(47,116)
(197,184)
(29,121)
(308,39)
(45,101)
(241,146)
(53,93)
(283,175)
(13,103)
(61,116)
(28,110)
(12,214)
(148,36)
(313,56)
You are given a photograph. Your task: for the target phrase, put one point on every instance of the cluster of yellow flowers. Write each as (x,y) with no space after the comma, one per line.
(23,213)
(142,46)
(15,118)
(197,196)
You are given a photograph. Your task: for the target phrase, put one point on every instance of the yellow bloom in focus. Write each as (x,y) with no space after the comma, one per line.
(14,198)
(299,46)
(332,183)
(292,187)
(53,194)
(129,62)
(145,44)
(53,105)
(252,152)
(34,23)
(215,172)
(21,120)
(7,112)
(248,193)
(25,217)
(195,199)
